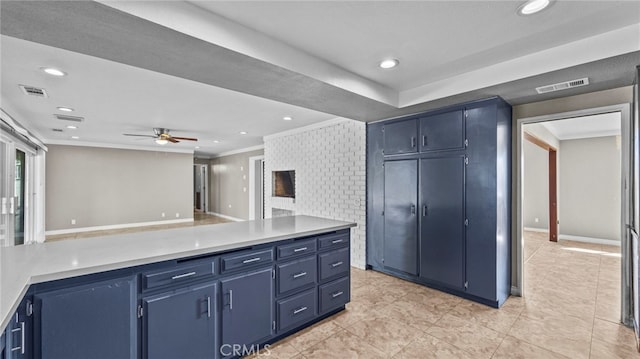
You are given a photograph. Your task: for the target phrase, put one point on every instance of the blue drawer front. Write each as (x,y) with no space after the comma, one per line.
(334,240)
(334,294)
(334,263)
(297,248)
(297,309)
(179,274)
(247,259)
(297,274)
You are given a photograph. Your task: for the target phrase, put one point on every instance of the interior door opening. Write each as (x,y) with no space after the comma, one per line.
(581,202)
(200,188)
(256,187)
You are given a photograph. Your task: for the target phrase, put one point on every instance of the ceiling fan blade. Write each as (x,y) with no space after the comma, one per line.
(172,140)
(185,138)
(132,134)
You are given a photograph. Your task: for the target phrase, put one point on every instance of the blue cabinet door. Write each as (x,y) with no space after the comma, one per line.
(181,323)
(247,310)
(400,137)
(96,320)
(442,220)
(400,216)
(443,131)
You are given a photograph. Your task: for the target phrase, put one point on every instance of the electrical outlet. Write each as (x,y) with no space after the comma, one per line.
(73,221)
(537,219)
(177,215)
(163,215)
(244,189)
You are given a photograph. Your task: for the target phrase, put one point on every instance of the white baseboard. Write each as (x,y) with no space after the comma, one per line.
(610,242)
(516,291)
(534,229)
(116,226)
(235,219)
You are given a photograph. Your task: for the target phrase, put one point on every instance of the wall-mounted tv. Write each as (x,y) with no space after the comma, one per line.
(284,184)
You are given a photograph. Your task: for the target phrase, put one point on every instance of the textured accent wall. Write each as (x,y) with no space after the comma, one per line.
(106,186)
(330,176)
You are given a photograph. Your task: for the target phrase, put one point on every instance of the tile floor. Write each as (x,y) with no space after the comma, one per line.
(199,219)
(571,311)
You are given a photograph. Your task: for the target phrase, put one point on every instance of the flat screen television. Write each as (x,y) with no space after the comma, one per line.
(284,184)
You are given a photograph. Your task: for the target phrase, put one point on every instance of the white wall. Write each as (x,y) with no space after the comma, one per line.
(536,186)
(330,175)
(589,187)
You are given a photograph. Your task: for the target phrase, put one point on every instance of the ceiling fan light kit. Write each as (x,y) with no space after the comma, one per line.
(162,136)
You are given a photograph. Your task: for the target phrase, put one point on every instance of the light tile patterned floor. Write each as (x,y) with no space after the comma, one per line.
(571,311)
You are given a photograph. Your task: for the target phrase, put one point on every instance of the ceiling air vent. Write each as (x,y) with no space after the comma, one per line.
(33,91)
(68,118)
(57,130)
(563,85)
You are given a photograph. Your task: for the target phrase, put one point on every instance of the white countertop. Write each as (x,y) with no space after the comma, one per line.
(21,266)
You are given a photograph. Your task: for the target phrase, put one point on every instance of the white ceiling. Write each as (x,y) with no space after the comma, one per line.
(212,69)
(607,124)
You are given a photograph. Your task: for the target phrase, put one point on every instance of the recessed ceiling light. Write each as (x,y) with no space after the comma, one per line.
(65,109)
(53,71)
(72,127)
(75,137)
(287,118)
(389,63)
(216,141)
(243,132)
(533,6)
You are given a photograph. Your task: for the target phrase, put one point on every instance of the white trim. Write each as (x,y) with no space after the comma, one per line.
(533,229)
(241,150)
(25,130)
(327,123)
(610,242)
(252,185)
(235,219)
(116,226)
(119,146)
(516,291)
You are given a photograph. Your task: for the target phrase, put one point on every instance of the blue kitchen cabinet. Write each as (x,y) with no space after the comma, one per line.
(247,313)
(400,137)
(94,320)
(463,184)
(442,220)
(18,336)
(400,247)
(180,323)
(442,131)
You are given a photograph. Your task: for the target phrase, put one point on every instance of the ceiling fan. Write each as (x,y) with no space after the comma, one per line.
(163,137)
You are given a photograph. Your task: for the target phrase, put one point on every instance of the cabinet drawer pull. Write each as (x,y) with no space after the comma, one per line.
(336,264)
(183,275)
(251,260)
(208,307)
(336,295)
(336,241)
(424,141)
(413,142)
(424,210)
(302,274)
(230,299)
(300,249)
(21,330)
(300,310)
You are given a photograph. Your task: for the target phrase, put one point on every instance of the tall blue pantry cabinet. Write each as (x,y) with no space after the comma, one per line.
(439,199)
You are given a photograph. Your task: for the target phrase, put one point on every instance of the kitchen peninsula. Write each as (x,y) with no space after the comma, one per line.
(204,291)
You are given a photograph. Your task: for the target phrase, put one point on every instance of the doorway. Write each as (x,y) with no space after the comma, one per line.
(622,210)
(256,187)
(200,188)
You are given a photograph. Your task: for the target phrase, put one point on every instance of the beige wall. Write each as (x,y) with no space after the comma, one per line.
(229,184)
(589,187)
(104,186)
(572,103)
(536,186)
